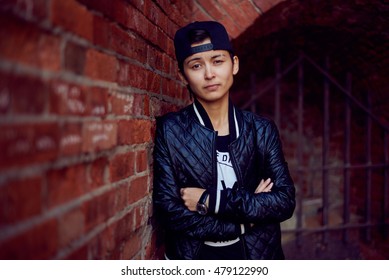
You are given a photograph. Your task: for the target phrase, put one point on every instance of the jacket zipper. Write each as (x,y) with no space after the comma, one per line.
(239,180)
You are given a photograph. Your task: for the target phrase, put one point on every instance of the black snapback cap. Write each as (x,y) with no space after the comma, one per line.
(217,33)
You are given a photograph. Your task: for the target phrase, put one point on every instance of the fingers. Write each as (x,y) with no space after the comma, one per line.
(264,186)
(191,196)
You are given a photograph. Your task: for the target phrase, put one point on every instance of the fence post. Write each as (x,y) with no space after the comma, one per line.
(300,169)
(277,96)
(386,184)
(326,147)
(368,171)
(346,154)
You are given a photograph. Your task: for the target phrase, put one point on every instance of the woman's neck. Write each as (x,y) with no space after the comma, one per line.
(218,114)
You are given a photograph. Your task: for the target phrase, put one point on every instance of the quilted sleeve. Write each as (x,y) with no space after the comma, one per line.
(169,206)
(275,206)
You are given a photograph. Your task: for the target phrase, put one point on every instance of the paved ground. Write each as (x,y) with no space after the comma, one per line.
(313,248)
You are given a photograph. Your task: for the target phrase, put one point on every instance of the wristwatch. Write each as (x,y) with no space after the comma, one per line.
(201,207)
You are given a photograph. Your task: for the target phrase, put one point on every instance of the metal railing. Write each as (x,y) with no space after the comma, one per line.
(346,167)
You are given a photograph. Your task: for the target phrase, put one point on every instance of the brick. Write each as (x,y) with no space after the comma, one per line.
(5,92)
(49,54)
(212,8)
(121,12)
(238,17)
(121,193)
(97,172)
(29,95)
(159,107)
(134,132)
(132,246)
(250,13)
(121,103)
(105,243)
(138,23)
(151,33)
(25,144)
(70,139)
(20,200)
(102,207)
(127,44)
(70,227)
(74,58)
(97,5)
(184,8)
(161,20)
(124,227)
(153,82)
(170,50)
(141,215)
(174,89)
(37,11)
(122,166)
(141,161)
(97,136)
(39,242)
(154,58)
(64,13)
(138,189)
(131,75)
(67,98)
(97,100)
(166,64)
(26,44)
(100,66)
(101,31)
(22,94)
(146,103)
(65,184)
(163,40)
(122,42)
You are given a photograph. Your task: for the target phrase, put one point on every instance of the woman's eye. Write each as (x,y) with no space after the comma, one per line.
(218,62)
(196,66)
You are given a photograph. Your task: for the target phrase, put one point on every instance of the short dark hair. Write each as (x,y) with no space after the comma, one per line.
(198,36)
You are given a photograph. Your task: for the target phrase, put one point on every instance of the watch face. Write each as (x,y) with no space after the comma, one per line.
(202,209)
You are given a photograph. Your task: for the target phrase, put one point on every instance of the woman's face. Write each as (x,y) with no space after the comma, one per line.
(210,74)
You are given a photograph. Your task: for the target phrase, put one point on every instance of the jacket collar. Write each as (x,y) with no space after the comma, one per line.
(204,119)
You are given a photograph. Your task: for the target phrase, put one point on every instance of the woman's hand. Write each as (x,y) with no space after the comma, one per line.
(264,186)
(191,196)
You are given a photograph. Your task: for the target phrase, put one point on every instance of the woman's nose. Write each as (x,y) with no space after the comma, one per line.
(209,73)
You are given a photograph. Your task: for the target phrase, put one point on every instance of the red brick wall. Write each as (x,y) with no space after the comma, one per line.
(80,85)
(81,82)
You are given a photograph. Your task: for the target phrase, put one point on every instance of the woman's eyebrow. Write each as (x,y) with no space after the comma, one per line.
(218,55)
(193,59)
(200,58)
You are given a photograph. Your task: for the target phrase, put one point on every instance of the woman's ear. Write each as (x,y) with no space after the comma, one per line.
(235,61)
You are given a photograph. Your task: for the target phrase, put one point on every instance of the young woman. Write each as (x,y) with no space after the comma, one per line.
(221,183)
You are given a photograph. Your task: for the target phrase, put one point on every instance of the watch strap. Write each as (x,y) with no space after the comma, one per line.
(203,197)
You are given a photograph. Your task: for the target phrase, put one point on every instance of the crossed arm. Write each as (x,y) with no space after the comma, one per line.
(191,196)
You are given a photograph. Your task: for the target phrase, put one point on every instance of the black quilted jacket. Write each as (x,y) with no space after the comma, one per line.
(185,155)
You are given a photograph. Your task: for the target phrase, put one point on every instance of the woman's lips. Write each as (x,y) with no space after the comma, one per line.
(212,87)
